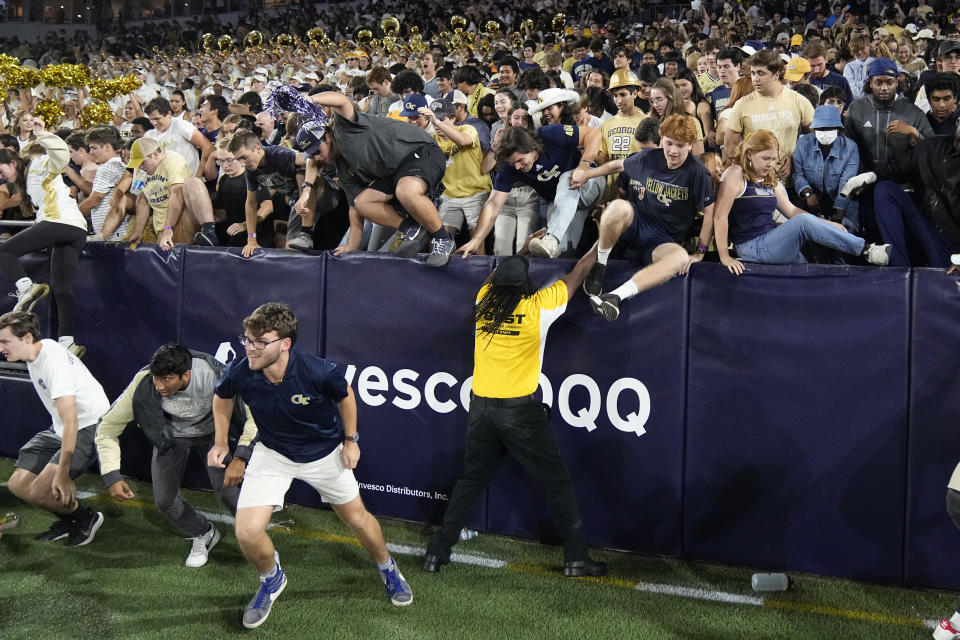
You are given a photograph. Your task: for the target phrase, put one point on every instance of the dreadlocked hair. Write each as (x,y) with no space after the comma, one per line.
(498,304)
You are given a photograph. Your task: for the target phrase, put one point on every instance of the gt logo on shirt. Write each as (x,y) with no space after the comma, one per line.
(547,176)
(300,399)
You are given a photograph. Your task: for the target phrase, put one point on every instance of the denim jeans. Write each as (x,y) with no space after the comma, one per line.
(782,245)
(166,471)
(565,217)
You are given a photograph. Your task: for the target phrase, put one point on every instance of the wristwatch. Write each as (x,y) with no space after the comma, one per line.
(352,438)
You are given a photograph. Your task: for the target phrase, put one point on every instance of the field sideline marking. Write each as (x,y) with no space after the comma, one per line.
(494,563)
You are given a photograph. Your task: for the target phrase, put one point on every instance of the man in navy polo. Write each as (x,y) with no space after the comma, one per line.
(307,418)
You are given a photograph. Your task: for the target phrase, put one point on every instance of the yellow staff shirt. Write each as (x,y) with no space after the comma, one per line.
(508,363)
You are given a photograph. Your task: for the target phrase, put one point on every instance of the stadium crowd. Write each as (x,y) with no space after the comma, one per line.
(733,131)
(284,133)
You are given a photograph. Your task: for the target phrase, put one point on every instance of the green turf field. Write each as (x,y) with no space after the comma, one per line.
(131,583)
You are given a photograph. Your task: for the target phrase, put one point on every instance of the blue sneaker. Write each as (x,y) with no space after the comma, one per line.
(259,608)
(206,238)
(397,588)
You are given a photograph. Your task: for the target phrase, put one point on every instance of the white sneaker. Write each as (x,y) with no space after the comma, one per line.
(946,631)
(26,299)
(201,548)
(545,247)
(879,254)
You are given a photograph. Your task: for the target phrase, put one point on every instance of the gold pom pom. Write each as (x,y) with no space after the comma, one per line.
(97,113)
(49,111)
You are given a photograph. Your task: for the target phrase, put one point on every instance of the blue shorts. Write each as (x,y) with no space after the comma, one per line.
(642,237)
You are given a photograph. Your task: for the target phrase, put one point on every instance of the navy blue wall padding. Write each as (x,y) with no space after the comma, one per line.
(796,424)
(394,314)
(23,415)
(226,301)
(934,446)
(800,417)
(628,486)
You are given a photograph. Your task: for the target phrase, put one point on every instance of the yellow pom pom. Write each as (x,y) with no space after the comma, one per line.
(97,113)
(49,111)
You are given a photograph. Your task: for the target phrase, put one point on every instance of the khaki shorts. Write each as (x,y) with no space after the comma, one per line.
(455,211)
(269,474)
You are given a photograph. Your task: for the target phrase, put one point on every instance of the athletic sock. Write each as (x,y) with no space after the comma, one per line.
(207,226)
(603,254)
(23,284)
(386,565)
(407,225)
(272,573)
(65,341)
(627,290)
(78,514)
(441,233)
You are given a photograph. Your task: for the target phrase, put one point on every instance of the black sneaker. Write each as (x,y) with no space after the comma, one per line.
(206,238)
(593,285)
(440,251)
(59,529)
(606,305)
(84,529)
(414,241)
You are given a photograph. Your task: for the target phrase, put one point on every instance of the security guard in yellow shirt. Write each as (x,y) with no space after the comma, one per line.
(512,319)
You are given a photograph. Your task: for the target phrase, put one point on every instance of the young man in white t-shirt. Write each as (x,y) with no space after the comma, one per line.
(104,144)
(177,135)
(48,463)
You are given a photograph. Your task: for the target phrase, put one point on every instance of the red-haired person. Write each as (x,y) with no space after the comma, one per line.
(666,188)
(748,195)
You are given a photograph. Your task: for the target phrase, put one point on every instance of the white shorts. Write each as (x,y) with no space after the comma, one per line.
(269,474)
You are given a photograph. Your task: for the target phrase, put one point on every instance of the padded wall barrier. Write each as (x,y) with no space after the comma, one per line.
(795,417)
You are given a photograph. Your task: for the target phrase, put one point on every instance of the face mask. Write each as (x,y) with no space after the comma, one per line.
(826,137)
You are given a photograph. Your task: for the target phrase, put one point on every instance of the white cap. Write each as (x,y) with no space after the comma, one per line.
(925,33)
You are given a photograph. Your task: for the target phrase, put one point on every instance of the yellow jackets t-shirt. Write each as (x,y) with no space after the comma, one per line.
(172,171)
(464,176)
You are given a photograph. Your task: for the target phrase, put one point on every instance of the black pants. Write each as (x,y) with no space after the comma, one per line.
(65,243)
(166,472)
(524,432)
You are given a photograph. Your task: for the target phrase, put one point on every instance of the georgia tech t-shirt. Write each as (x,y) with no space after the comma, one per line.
(299,417)
(508,363)
(667,198)
(560,153)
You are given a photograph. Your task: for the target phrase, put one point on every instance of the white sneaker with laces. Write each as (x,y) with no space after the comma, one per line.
(879,254)
(201,548)
(27,298)
(545,247)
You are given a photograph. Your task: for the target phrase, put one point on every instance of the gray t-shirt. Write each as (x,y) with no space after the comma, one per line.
(377,147)
(380,105)
(188,407)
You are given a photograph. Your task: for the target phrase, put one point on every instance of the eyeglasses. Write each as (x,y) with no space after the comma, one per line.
(258,345)
(657,100)
(220,162)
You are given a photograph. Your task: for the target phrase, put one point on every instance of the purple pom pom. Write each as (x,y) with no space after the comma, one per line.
(287,98)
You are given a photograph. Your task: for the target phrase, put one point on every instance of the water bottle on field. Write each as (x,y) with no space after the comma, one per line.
(468,534)
(770,582)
